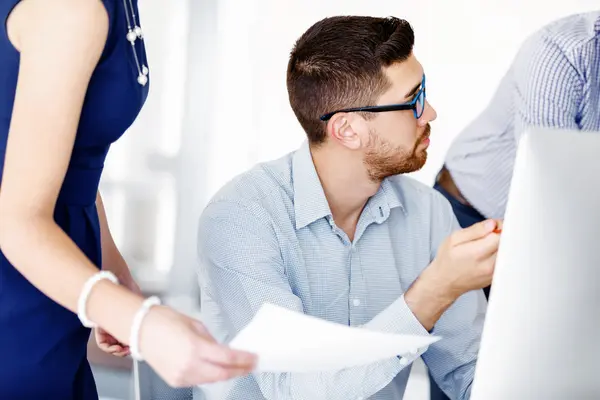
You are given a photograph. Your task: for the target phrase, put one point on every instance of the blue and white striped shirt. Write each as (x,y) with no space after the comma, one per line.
(553,82)
(269,236)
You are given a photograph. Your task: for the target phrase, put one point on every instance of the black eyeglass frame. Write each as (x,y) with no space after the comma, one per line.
(419,99)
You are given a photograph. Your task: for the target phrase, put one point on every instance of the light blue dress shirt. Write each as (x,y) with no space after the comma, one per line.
(268,236)
(553,82)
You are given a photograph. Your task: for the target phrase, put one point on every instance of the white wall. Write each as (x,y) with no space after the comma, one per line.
(140,181)
(464,45)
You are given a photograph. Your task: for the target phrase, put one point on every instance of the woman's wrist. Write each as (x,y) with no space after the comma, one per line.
(86,291)
(113,307)
(138,320)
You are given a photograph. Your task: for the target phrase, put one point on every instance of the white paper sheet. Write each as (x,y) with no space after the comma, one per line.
(288,341)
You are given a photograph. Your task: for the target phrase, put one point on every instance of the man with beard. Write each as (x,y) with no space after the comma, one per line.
(334,230)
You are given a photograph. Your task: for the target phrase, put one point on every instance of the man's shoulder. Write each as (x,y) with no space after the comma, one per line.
(569,35)
(262,186)
(581,24)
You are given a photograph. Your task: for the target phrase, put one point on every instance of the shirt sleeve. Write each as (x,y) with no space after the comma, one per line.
(548,89)
(242,268)
(452,359)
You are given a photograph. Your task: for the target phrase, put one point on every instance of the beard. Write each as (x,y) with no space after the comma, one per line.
(383,160)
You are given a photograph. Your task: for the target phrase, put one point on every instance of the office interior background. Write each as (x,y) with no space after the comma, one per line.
(218,105)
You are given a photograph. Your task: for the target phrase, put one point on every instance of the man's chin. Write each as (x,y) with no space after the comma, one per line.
(416,162)
(420,161)
(416,165)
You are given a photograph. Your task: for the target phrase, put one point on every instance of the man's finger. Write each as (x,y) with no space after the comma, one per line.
(485,247)
(473,232)
(499,225)
(489,266)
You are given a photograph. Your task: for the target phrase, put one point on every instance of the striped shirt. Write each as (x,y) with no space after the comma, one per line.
(269,236)
(553,82)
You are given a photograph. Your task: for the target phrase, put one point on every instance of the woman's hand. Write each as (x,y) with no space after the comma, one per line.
(184,354)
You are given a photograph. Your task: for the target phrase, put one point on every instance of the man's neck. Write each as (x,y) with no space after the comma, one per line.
(346,185)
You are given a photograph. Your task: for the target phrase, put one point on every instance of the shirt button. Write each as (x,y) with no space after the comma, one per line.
(414,352)
(356,302)
(403,361)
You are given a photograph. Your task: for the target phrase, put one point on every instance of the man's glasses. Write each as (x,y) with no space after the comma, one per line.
(417,105)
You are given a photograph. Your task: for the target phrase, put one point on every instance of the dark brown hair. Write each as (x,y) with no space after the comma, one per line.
(338,63)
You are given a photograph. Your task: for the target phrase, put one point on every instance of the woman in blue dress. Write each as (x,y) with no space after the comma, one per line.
(73,78)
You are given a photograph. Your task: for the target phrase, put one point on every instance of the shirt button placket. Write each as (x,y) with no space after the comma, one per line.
(355,301)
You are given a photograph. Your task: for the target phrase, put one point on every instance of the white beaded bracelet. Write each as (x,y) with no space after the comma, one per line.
(134,345)
(85,293)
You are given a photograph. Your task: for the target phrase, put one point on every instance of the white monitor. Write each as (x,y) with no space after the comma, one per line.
(541,337)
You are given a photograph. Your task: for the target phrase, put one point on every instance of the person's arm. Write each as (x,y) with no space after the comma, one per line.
(452,360)
(548,89)
(112,259)
(242,268)
(60,43)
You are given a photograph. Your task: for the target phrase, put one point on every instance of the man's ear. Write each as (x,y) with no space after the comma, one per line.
(340,128)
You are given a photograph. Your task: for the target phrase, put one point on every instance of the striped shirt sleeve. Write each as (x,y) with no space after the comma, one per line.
(548,88)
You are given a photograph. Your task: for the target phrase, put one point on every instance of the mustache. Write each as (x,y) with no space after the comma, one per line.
(426,132)
(424,135)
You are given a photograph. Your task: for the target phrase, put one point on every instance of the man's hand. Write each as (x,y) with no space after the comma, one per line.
(465,261)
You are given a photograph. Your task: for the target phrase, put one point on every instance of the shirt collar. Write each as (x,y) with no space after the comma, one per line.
(310,203)
(386,199)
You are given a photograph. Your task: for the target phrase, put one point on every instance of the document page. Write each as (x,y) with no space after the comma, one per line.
(288,341)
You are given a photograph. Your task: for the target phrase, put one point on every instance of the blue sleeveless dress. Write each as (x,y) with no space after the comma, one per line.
(43,345)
